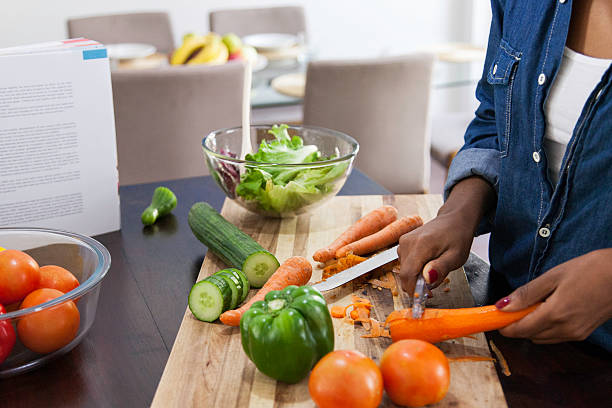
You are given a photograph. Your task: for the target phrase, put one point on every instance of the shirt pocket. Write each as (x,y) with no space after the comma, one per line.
(501,75)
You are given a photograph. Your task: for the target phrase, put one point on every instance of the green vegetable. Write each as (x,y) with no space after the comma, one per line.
(233,246)
(245,282)
(218,293)
(209,298)
(163,203)
(286,189)
(287,333)
(235,286)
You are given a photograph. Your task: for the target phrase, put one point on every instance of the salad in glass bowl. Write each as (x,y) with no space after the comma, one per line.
(293,170)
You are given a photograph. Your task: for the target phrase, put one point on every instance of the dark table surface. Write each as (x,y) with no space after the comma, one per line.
(144,296)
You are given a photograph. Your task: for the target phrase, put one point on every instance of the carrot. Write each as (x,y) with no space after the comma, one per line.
(361,313)
(341,265)
(383,238)
(337,311)
(443,324)
(500,359)
(294,271)
(370,223)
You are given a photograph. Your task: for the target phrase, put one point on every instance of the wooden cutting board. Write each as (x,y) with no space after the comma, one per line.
(207,367)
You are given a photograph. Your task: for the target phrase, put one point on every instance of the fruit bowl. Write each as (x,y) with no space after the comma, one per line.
(291,170)
(87,259)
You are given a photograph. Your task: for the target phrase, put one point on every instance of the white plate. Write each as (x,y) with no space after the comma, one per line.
(260,63)
(292,84)
(129,50)
(270,41)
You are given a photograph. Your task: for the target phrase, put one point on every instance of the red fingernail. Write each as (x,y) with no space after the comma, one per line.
(433,276)
(501,303)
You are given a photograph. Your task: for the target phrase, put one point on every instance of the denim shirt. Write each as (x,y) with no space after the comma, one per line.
(535,225)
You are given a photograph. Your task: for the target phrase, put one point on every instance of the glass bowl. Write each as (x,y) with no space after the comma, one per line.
(274,189)
(86,258)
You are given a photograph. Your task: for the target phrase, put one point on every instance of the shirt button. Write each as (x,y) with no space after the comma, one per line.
(544,232)
(536,157)
(494,69)
(541,79)
(561,1)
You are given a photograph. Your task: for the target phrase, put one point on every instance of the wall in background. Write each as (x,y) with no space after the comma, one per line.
(337,28)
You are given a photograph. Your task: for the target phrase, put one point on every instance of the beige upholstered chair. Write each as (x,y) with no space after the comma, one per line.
(384,105)
(147,28)
(289,20)
(161,116)
(447,131)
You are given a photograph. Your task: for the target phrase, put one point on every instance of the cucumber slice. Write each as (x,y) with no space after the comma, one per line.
(235,285)
(258,267)
(219,281)
(208,299)
(245,282)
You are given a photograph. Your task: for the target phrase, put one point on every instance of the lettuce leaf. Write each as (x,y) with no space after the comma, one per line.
(287,189)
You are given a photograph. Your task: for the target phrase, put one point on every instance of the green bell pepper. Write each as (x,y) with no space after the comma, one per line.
(287,333)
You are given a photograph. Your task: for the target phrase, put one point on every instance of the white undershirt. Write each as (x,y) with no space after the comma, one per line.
(577,77)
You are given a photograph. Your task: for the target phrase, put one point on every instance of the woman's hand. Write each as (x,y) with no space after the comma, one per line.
(443,244)
(576,298)
(437,248)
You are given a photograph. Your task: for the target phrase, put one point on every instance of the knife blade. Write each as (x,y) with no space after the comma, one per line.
(419,297)
(353,272)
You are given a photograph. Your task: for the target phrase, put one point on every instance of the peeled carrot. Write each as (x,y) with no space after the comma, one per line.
(385,237)
(370,223)
(443,324)
(294,271)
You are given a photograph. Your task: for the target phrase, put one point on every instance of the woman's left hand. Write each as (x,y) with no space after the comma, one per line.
(577,299)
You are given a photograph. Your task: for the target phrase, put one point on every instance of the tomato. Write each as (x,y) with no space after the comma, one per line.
(415,373)
(50,329)
(346,378)
(19,275)
(7,337)
(56,277)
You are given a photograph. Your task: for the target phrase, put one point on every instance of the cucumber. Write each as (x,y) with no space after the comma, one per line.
(233,246)
(235,285)
(209,298)
(245,282)
(220,282)
(162,203)
(258,267)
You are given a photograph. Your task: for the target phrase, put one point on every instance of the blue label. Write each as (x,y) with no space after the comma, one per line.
(94,54)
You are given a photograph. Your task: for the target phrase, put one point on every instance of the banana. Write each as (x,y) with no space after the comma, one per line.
(191,45)
(215,52)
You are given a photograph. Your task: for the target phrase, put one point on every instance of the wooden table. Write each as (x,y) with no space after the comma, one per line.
(143,299)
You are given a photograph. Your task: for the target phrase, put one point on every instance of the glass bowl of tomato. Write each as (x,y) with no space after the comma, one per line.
(49,286)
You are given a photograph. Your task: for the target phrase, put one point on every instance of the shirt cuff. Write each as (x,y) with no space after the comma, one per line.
(480,162)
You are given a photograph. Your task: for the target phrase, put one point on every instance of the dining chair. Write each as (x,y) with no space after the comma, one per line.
(447,131)
(148,28)
(286,20)
(161,116)
(384,104)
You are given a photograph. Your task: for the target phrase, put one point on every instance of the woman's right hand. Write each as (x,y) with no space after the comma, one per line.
(443,244)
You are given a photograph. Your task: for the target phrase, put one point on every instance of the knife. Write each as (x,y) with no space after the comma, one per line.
(353,272)
(419,297)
